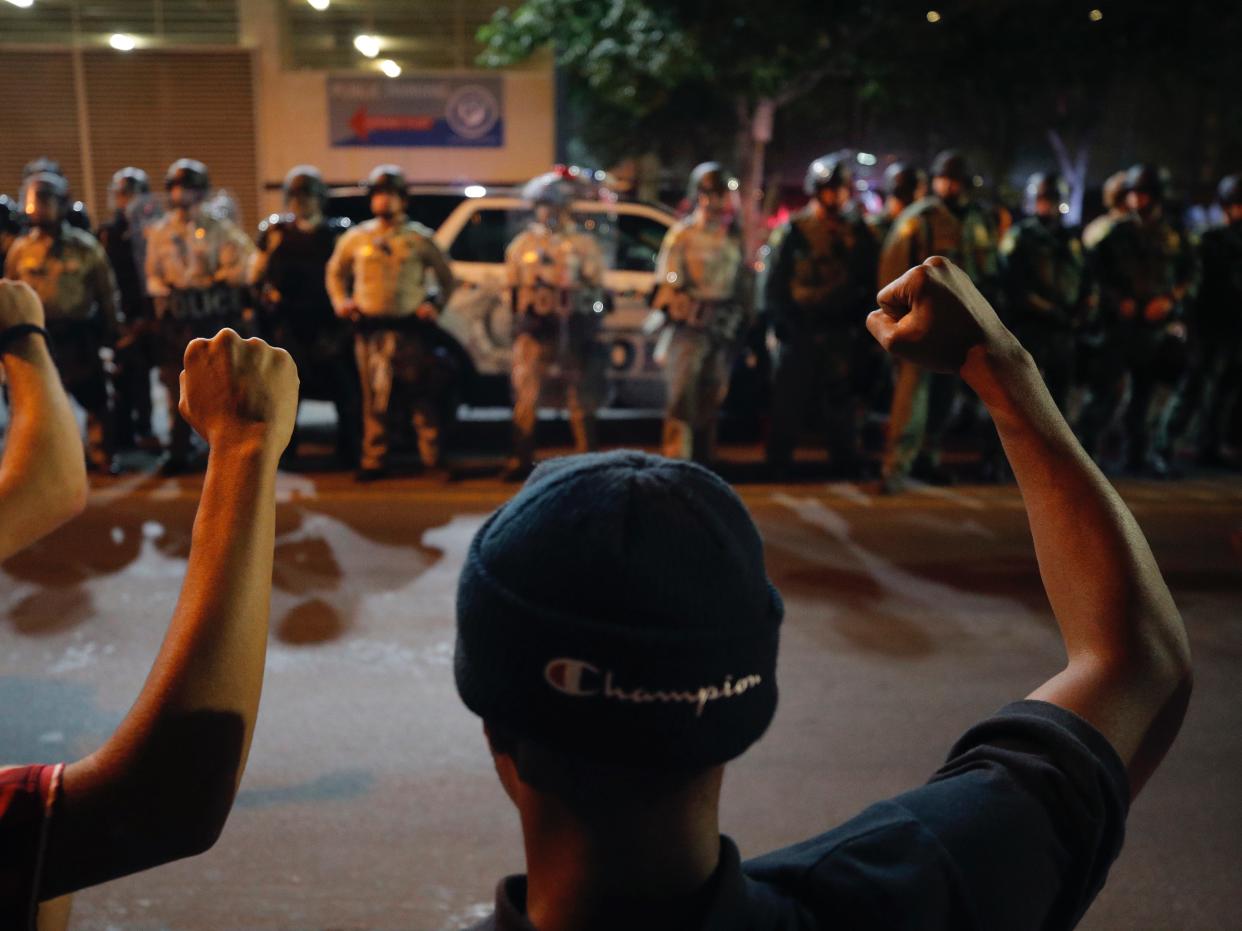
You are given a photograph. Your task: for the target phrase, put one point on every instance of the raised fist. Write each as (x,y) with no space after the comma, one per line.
(19,304)
(933,315)
(238,391)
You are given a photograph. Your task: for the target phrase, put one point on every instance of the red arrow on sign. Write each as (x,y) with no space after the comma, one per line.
(363,124)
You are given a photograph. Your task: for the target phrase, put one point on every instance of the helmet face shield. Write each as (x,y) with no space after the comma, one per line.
(44,200)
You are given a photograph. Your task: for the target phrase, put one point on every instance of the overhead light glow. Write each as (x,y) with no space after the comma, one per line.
(390,68)
(933,16)
(475,190)
(1095,15)
(24,4)
(367,45)
(320,5)
(866,158)
(121,42)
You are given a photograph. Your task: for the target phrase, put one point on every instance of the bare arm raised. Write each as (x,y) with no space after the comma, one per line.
(1128,670)
(161,787)
(43,473)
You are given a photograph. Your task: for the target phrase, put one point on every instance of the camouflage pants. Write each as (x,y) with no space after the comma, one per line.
(922,401)
(583,366)
(697,374)
(395,360)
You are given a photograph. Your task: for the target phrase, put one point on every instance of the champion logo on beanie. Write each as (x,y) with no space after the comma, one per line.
(618,608)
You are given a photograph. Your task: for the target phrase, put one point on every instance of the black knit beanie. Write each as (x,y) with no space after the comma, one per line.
(617,608)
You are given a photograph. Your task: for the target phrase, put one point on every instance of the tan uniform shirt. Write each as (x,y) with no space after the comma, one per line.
(194,254)
(384,269)
(702,258)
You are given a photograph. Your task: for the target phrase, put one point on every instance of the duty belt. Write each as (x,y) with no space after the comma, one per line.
(723,318)
(202,303)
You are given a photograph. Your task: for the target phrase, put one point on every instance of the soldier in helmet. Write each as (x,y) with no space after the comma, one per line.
(704,290)
(69,271)
(903,185)
(818,288)
(1043,273)
(377,277)
(1146,272)
(195,268)
(12,224)
(1211,406)
(75,211)
(123,241)
(556,277)
(289,272)
(948,223)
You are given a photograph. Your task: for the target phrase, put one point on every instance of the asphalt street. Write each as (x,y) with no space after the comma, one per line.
(370,802)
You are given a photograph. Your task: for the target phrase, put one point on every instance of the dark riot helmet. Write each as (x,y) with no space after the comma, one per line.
(903,181)
(187,173)
(1146,178)
(1046,185)
(305,180)
(707,177)
(951,164)
(37,189)
(827,171)
(554,189)
(130,180)
(388,178)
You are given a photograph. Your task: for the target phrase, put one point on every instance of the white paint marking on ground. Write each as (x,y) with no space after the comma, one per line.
(850,492)
(74,657)
(947,494)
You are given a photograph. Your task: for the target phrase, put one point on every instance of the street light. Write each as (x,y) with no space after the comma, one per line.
(933,16)
(367,45)
(24,4)
(390,68)
(1095,15)
(122,42)
(320,5)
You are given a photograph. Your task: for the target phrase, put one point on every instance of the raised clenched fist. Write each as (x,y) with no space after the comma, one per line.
(19,304)
(933,315)
(238,391)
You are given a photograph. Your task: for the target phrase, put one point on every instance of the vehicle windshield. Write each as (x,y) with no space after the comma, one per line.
(629,242)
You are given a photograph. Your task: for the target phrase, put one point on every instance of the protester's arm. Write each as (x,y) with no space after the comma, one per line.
(1128,670)
(162,785)
(43,472)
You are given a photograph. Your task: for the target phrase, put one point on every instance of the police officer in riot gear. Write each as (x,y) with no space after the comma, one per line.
(1113,195)
(289,272)
(818,287)
(69,271)
(1211,411)
(704,290)
(948,223)
(75,211)
(122,240)
(903,185)
(1042,269)
(195,268)
(1146,272)
(556,278)
(377,277)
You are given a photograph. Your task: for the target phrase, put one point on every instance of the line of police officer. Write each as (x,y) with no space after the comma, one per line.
(1116,328)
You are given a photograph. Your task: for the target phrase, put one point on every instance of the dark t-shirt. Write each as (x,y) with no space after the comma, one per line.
(27,797)
(1017,830)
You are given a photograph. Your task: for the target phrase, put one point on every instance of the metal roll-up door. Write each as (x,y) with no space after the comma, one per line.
(150,108)
(38,116)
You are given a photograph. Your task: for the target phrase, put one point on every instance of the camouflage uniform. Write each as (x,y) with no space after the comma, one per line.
(819,286)
(71,275)
(1046,293)
(1135,263)
(383,269)
(195,267)
(921,399)
(705,290)
(556,279)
